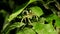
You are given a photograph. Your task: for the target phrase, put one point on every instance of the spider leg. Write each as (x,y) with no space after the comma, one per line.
(36,18)
(27,12)
(25,19)
(22,19)
(24,11)
(29,21)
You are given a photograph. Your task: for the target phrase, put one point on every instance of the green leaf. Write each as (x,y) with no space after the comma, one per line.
(49,29)
(43,28)
(42,20)
(13,15)
(54,17)
(26,31)
(5,22)
(13,26)
(37,10)
(18,11)
(32,1)
(19,17)
(51,17)
(21,8)
(37,26)
(58,22)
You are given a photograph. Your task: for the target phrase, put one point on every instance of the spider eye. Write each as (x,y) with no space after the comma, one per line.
(30,11)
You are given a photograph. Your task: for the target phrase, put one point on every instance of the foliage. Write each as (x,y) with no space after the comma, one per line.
(30,17)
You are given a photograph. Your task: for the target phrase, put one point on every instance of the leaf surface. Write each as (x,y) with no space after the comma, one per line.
(44,28)
(13,26)
(26,31)
(37,10)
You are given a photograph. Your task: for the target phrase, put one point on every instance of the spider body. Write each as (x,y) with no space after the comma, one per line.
(29,15)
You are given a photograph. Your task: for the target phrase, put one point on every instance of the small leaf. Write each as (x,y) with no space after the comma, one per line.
(13,26)
(37,10)
(26,31)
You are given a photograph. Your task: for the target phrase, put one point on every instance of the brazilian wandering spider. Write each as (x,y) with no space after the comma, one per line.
(29,15)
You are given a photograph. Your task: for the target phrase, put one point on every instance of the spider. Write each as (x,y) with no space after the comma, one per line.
(29,15)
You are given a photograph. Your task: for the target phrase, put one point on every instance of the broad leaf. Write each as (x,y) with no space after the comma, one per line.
(37,10)
(13,26)
(26,31)
(44,28)
(38,27)
(49,29)
(51,17)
